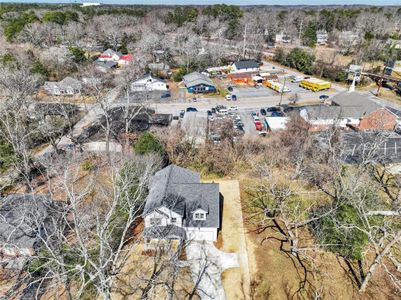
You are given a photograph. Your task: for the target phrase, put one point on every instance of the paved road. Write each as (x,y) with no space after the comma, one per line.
(204,104)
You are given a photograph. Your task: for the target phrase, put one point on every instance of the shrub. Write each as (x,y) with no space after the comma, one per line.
(148,143)
(88,165)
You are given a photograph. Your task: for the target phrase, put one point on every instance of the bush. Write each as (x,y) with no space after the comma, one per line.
(78,54)
(39,68)
(177,76)
(148,143)
(7,156)
(301,60)
(338,232)
(87,165)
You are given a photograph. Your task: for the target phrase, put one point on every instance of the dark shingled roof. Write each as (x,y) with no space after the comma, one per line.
(246,64)
(23,217)
(344,105)
(181,191)
(354,101)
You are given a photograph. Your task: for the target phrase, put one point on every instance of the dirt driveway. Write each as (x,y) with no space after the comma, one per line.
(236,281)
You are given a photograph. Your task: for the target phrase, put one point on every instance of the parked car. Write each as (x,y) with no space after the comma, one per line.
(182,113)
(213,110)
(255,116)
(191,109)
(295,78)
(230,88)
(263,112)
(194,99)
(323,97)
(277,114)
(165,95)
(234,97)
(222,111)
(176,118)
(228,97)
(232,108)
(272,108)
(287,109)
(209,113)
(258,126)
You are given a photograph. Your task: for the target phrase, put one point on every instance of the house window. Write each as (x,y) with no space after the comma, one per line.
(155,221)
(173,220)
(199,216)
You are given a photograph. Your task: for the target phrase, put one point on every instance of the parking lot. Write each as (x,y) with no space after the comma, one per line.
(194,124)
(360,147)
(249,125)
(243,92)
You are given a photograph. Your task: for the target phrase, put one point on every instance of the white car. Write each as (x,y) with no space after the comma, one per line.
(297,78)
(228,97)
(233,108)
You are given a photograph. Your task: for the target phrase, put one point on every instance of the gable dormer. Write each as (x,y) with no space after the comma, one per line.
(199,214)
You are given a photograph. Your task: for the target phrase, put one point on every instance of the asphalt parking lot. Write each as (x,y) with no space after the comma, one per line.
(242,92)
(194,124)
(249,126)
(371,147)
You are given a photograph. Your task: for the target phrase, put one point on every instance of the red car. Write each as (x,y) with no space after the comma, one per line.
(258,126)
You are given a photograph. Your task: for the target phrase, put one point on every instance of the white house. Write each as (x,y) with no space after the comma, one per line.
(110,55)
(180,207)
(249,65)
(282,38)
(68,86)
(149,83)
(321,37)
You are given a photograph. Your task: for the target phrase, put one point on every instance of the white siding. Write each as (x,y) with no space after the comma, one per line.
(202,234)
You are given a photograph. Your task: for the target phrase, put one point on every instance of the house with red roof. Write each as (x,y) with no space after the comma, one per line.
(112,56)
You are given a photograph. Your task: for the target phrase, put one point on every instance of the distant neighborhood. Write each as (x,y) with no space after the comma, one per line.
(200,151)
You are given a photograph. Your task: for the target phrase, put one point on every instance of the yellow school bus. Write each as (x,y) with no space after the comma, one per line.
(315,85)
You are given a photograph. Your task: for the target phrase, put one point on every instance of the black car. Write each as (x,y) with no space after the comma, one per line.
(273,108)
(277,114)
(209,113)
(263,112)
(191,109)
(230,88)
(165,95)
(213,110)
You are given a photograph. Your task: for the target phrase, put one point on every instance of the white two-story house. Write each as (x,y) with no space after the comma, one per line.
(179,206)
(149,83)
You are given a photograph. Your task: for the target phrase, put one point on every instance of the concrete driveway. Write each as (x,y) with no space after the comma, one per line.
(207,263)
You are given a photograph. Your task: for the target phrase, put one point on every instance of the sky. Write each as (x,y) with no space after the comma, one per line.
(236,2)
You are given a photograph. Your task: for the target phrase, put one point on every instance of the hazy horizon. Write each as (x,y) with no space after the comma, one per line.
(233,2)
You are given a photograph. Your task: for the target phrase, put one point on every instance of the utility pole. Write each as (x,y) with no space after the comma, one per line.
(282,91)
(243,50)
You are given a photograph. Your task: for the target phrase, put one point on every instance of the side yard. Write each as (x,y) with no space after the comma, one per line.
(236,281)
